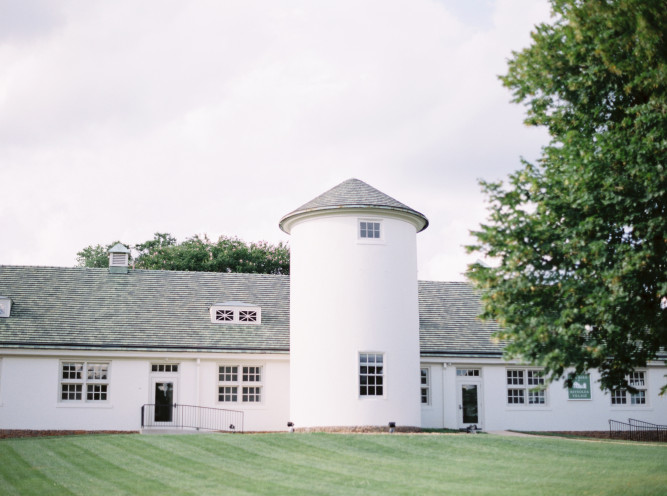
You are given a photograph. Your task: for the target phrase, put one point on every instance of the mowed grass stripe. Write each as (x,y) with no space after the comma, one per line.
(234,468)
(339,460)
(77,463)
(164,458)
(286,465)
(20,475)
(327,464)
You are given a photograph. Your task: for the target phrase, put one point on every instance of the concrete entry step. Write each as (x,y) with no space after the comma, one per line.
(510,433)
(173,431)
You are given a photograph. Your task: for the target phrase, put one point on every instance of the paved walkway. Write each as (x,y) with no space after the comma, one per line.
(510,433)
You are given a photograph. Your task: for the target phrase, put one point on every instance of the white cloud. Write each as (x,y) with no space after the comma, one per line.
(121,119)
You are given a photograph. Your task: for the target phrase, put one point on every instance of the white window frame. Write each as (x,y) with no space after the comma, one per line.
(366,375)
(366,239)
(84,378)
(425,386)
(239,314)
(625,399)
(165,368)
(240,383)
(523,385)
(468,372)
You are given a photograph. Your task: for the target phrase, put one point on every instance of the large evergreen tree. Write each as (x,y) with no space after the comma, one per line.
(580,237)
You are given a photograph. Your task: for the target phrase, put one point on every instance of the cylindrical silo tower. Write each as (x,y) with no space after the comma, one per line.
(354,316)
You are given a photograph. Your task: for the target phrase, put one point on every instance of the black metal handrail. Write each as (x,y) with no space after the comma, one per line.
(637,430)
(642,423)
(178,416)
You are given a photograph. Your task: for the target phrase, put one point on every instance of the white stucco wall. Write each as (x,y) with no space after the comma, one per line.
(31,396)
(30,390)
(272,414)
(433,412)
(350,296)
(558,414)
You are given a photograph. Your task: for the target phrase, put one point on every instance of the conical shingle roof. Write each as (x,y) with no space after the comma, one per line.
(353,194)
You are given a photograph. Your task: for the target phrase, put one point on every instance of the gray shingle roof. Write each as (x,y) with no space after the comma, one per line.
(144,309)
(449,324)
(168,310)
(354,193)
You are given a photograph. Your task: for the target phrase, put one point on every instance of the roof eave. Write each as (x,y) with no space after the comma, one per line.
(415,218)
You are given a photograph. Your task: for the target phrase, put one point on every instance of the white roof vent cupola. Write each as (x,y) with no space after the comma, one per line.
(119,259)
(5,306)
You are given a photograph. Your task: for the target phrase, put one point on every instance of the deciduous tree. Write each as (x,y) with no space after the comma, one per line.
(198,253)
(580,237)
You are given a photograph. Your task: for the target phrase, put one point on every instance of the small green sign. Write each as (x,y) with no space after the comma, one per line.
(581,388)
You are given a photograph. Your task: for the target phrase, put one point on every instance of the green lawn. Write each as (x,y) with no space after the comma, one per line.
(312,464)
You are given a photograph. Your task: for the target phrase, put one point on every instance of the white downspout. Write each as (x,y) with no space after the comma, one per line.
(444,392)
(197,391)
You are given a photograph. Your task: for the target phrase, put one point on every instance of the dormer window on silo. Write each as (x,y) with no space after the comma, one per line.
(119,259)
(5,306)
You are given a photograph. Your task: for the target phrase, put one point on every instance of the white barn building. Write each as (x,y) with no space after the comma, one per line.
(350,338)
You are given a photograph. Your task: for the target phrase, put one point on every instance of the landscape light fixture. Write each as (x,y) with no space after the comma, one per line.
(291,426)
(392,427)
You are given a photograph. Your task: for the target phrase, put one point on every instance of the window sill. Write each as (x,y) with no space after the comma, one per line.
(241,406)
(371,241)
(528,408)
(84,405)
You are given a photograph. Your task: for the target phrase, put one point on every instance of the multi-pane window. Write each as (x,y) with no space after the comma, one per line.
(525,386)
(535,379)
(164,367)
(371,374)
(425,377)
(637,380)
(638,398)
(84,381)
(467,372)
(228,373)
(252,394)
(252,374)
(369,230)
(240,383)
(228,394)
(618,397)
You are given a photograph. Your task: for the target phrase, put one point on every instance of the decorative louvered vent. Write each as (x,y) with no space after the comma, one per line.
(235,312)
(5,306)
(119,259)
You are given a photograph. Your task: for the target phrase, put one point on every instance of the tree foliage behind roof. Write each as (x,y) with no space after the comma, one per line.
(581,236)
(198,253)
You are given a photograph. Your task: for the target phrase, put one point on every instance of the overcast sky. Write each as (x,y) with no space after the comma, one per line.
(120,119)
